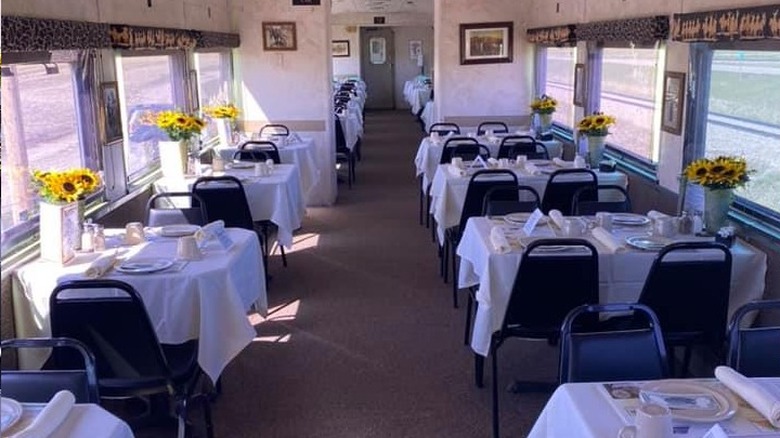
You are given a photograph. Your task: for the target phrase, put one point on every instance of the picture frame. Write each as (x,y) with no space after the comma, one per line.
(279,36)
(579,85)
(340,48)
(415,50)
(674,99)
(486,43)
(110,114)
(305,2)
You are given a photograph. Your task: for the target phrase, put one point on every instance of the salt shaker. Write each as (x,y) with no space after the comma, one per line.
(698,223)
(98,237)
(86,238)
(686,223)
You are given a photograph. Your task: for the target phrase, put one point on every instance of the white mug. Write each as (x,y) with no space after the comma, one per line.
(261,169)
(134,233)
(573,227)
(218,164)
(604,220)
(187,248)
(503,163)
(665,226)
(652,421)
(457,162)
(269,164)
(520,160)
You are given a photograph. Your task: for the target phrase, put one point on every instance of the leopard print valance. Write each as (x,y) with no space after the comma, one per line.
(208,40)
(150,38)
(25,34)
(637,30)
(728,25)
(553,36)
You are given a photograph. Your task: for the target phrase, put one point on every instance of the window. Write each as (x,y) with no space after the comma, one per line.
(40,130)
(214,83)
(629,80)
(744,120)
(559,82)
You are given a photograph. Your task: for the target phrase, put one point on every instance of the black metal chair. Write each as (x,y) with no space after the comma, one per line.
(504,200)
(563,184)
(542,297)
(275,129)
(598,355)
(496,127)
(251,156)
(464,147)
(39,386)
(444,129)
(267,147)
(479,184)
(111,319)
(344,155)
(157,215)
(754,351)
(608,198)
(690,296)
(515,145)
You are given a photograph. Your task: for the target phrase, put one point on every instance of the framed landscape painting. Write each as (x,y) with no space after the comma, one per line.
(340,48)
(279,36)
(674,96)
(486,43)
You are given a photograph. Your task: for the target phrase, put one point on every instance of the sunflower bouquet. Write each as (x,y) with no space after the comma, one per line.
(596,124)
(722,172)
(179,125)
(66,186)
(544,105)
(226,111)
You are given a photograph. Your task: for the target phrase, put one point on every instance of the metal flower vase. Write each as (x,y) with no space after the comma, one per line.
(173,158)
(716,208)
(545,122)
(596,150)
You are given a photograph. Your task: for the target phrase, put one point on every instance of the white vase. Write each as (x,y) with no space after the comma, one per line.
(716,208)
(596,150)
(545,122)
(60,230)
(225,132)
(173,158)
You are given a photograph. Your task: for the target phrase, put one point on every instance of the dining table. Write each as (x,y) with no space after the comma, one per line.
(206,299)
(276,197)
(82,420)
(622,270)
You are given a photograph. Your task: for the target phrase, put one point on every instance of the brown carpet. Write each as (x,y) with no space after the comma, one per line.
(363,340)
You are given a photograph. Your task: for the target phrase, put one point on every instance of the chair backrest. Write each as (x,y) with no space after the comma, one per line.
(274,129)
(39,386)
(110,318)
(267,147)
(554,277)
(341,139)
(157,216)
(561,187)
(444,128)
(496,127)
(754,351)
(690,295)
(468,148)
(479,184)
(515,145)
(504,200)
(609,198)
(225,200)
(603,355)
(250,155)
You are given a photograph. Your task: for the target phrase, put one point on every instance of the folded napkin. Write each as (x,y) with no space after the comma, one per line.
(560,163)
(101,265)
(607,239)
(762,400)
(579,163)
(499,240)
(531,168)
(653,214)
(210,231)
(50,417)
(456,171)
(557,217)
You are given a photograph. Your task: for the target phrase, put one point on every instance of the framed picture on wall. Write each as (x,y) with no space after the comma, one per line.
(110,117)
(674,97)
(340,48)
(279,36)
(486,43)
(579,85)
(415,50)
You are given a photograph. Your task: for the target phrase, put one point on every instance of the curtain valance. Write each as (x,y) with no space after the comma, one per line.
(553,36)
(638,30)
(728,25)
(25,34)
(207,40)
(150,38)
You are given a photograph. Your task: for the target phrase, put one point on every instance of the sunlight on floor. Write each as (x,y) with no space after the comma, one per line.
(273,339)
(302,242)
(282,312)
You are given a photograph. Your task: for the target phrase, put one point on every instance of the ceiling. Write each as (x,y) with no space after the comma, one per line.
(382,6)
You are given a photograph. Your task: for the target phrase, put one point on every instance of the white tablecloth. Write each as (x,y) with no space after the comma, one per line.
(429,155)
(87,420)
(448,193)
(586,410)
(206,300)
(427,115)
(621,275)
(276,197)
(352,127)
(302,154)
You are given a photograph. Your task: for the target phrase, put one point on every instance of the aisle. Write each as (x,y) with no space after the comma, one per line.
(364,341)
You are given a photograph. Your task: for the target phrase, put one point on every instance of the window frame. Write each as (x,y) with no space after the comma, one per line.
(226,63)
(540,87)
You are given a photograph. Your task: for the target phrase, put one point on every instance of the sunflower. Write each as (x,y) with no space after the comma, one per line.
(86,179)
(698,170)
(64,187)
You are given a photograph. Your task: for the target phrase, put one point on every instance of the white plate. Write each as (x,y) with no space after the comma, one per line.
(650,243)
(144,266)
(636,220)
(10,413)
(178,230)
(700,394)
(522,218)
(541,163)
(241,165)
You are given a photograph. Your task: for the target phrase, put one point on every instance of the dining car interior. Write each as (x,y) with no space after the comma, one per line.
(390,218)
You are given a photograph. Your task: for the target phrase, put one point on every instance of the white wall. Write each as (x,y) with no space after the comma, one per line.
(347,66)
(394,19)
(405,67)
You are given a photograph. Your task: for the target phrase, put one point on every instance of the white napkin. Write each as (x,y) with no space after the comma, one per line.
(607,239)
(499,240)
(579,163)
(456,171)
(764,402)
(560,163)
(209,231)
(557,217)
(531,168)
(50,417)
(101,265)
(653,214)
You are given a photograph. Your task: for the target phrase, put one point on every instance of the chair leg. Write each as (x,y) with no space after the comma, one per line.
(181,414)
(494,360)
(479,370)
(670,358)
(454,276)
(284,255)
(421,201)
(468,321)
(686,361)
(207,418)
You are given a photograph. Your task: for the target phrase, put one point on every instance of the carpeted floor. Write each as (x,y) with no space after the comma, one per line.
(363,340)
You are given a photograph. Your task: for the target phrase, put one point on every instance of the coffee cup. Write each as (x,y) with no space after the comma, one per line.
(665,226)
(604,220)
(218,164)
(261,169)
(187,248)
(651,421)
(457,162)
(520,160)
(134,233)
(269,164)
(573,227)
(503,163)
